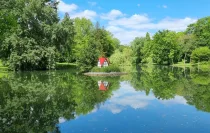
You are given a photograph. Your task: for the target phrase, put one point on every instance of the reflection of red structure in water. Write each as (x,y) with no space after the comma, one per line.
(103,85)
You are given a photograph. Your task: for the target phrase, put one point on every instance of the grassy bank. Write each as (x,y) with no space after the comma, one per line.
(2,67)
(60,66)
(205,66)
(3,70)
(181,64)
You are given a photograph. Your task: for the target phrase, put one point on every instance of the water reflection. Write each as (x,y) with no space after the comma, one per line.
(103,85)
(38,101)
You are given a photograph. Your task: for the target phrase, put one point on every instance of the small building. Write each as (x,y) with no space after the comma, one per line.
(103,85)
(103,62)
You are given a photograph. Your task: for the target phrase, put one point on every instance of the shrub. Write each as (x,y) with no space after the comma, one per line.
(201,54)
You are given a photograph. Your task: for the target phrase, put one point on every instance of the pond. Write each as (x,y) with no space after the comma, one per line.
(151,100)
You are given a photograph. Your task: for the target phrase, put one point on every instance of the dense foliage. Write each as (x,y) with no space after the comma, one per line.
(168,47)
(33,38)
(35,101)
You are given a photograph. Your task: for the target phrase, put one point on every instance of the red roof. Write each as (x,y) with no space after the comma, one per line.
(102,87)
(102,60)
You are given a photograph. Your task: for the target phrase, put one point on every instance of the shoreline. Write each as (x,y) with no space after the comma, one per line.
(105,73)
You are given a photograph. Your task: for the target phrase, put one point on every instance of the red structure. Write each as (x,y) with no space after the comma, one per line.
(103,62)
(103,85)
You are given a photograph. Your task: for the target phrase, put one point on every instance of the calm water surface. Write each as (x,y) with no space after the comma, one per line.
(152,100)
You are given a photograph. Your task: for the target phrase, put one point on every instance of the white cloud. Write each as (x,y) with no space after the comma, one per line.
(73,10)
(92,3)
(86,14)
(113,14)
(167,23)
(125,35)
(176,100)
(127,28)
(63,7)
(61,120)
(165,6)
(133,20)
(138,5)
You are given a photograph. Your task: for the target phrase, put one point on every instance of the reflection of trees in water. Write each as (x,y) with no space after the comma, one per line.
(34,102)
(166,82)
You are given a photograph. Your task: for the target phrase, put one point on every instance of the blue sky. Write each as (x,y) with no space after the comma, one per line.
(129,19)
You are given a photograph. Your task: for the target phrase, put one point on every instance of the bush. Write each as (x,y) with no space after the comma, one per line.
(201,54)
(106,69)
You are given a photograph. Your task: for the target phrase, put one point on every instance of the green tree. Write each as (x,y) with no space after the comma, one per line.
(89,56)
(63,37)
(187,45)
(32,45)
(165,47)
(201,31)
(201,54)
(8,24)
(137,45)
(147,49)
(84,30)
(103,41)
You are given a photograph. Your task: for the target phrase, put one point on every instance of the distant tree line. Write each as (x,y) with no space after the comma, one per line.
(169,47)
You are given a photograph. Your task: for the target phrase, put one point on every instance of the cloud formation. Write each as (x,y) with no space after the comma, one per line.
(126,27)
(72,9)
(165,6)
(85,14)
(92,3)
(129,27)
(63,7)
(112,15)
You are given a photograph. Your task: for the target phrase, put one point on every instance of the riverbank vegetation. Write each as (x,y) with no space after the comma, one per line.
(33,37)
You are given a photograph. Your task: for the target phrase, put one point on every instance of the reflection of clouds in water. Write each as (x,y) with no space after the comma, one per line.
(61,120)
(176,100)
(127,96)
(113,108)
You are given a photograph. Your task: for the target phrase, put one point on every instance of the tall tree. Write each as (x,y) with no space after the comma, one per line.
(137,45)
(84,30)
(104,44)
(32,45)
(63,37)
(165,47)
(8,24)
(186,42)
(147,49)
(201,31)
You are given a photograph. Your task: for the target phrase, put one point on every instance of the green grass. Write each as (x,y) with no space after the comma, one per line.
(181,64)
(106,69)
(3,70)
(204,66)
(2,67)
(60,66)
